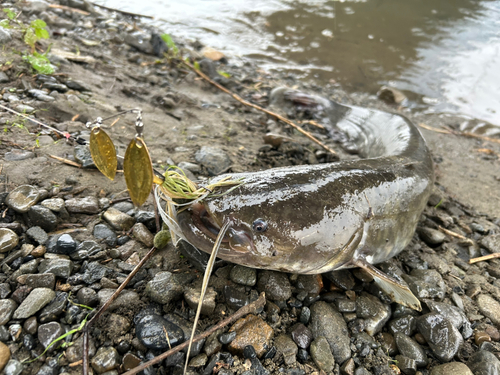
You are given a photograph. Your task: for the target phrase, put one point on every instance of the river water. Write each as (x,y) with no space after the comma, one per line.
(445,55)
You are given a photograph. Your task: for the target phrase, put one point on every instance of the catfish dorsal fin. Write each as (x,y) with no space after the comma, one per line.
(398,292)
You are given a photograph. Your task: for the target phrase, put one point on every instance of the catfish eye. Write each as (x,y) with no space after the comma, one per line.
(259,225)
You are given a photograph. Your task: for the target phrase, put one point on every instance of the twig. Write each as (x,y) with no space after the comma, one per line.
(248,309)
(454,234)
(259,108)
(64,7)
(104,307)
(77,363)
(465,134)
(483,258)
(122,11)
(66,161)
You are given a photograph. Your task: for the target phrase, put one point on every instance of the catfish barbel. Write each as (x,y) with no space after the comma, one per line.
(312,219)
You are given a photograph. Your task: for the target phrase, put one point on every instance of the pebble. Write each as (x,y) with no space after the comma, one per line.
(4,290)
(411,349)
(31,325)
(8,240)
(407,325)
(59,267)
(484,363)
(443,338)
(243,275)
(322,355)
(95,271)
(431,237)
(226,338)
(286,346)
(192,297)
(374,313)
(13,367)
(37,280)
(41,95)
(454,314)
(455,368)
(328,322)
(342,278)
(35,301)
(142,234)
(26,109)
(301,335)
(150,330)
(235,299)
(87,205)
(164,288)
(130,361)
(7,308)
(17,155)
(118,220)
(491,242)
(22,198)
(15,331)
(51,312)
(426,284)
(83,156)
(126,299)
(43,217)
(4,355)
(39,251)
(215,160)
(88,297)
(4,78)
(48,332)
(489,307)
(38,235)
(65,244)
(406,365)
(53,204)
(251,330)
(103,232)
(105,359)
(275,284)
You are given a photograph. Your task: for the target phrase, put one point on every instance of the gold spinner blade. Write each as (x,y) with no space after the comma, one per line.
(103,152)
(138,171)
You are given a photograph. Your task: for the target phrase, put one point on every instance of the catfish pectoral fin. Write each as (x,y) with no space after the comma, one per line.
(398,292)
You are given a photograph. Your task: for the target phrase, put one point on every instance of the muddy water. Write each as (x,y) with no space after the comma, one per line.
(444,54)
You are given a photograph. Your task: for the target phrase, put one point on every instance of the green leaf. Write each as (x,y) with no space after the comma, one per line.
(10,14)
(196,65)
(170,43)
(224,74)
(42,33)
(40,63)
(38,24)
(5,24)
(30,37)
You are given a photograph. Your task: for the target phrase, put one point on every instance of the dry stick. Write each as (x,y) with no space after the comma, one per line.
(255,106)
(105,307)
(64,7)
(66,161)
(486,257)
(248,309)
(465,134)
(122,11)
(454,234)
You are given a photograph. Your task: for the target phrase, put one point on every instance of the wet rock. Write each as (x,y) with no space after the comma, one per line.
(235,299)
(44,280)
(59,267)
(192,297)
(35,301)
(103,232)
(406,365)
(275,284)
(53,204)
(22,198)
(31,325)
(251,330)
(374,312)
(94,271)
(4,37)
(26,109)
(15,331)
(142,234)
(431,237)
(118,220)
(489,307)
(130,361)
(410,349)
(39,251)
(390,95)
(54,309)
(491,242)
(118,325)
(17,155)
(65,244)
(77,85)
(4,78)
(105,359)
(407,325)
(7,308)
(4,355)
(343,279)
(301,335)
(226,338)
(484,363)
(4,290)
(322,355)
(215,160)
(426,284)
(164,288)
(41,95)
(150,331)
(328,322)
(480,337)
(286,346)
(38,235)
(8,240)
(87,297)
(83,156)
(243,275)
(126,300)
(47,333)
(87,205)
(199,361)
(13,367)
(443,338)
(455,368)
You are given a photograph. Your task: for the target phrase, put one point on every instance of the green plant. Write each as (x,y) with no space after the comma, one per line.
(33,32)
(170,44)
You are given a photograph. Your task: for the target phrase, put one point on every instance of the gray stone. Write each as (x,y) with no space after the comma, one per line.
(13,367)
(83,156)
(118,220)
(59,267)
(4,78)
(192,167)
(406,365)
(164,288)
(489,307)
(426,284)
(48,332)
(94,271)
(43,217)
(38,280)
(65,244)
(342,278)
(4,290)
(52,311)
(328,322)
(8,240)
(301,335)
(243,275)
(142,234)
(17,155)
(38,234)
(431,237)
(374,312)
(406,325)
(77,85)
(491,242)
(192,297)
(275,284)
(455,368)
(53,204)
(452,313)
(215,160)
(88,297)
(7,308)
(322,355)
(22,198)
(286,346)
(35,301)
(411,349)
(4,36)
(443,338)
(26,109)
(103,232)
(151,328)
(41,95)
(484,363)
(106,359)
(126,299)
(87,205)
